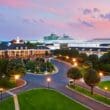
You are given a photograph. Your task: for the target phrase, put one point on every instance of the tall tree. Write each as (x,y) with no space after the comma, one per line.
(16,66)
(91,78)
(82,57)
(3,67)
(95,60)
(105,58)
(31,65)
(74,73)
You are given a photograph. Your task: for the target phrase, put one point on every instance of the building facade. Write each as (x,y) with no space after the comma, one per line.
(21,50)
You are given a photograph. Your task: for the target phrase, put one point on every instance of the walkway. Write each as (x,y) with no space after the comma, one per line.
(15,98)
(96,89)
(59,81)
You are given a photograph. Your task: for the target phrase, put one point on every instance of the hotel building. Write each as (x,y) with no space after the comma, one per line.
(19,49)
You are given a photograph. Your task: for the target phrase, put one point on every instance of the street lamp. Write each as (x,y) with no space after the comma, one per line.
(106,88)
(17,77)
(1,90)
(67,57)
(60,55)
(48,81)
(74,59)
(101,74)
(75,64)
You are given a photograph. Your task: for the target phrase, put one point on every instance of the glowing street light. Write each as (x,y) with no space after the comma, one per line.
(1,91)
(101,74)
(74,59)
(17,77)
(48,81)
(106,88)
(75,64)
(67,57)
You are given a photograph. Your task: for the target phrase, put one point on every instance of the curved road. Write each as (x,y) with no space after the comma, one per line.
(59,81)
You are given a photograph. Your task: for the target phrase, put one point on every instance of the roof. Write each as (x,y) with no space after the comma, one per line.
(3,46)
(17,46)
(20,46)
(65,38)
(42,47)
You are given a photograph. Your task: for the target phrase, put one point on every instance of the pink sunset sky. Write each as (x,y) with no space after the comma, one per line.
(33,19)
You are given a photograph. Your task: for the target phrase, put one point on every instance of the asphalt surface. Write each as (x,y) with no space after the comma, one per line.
(58,82)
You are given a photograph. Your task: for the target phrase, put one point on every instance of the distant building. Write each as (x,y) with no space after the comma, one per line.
(97,46)
(51,37)
(18,49)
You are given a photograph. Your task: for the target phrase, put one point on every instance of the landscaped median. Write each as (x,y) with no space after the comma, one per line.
(42,99)
(86,92)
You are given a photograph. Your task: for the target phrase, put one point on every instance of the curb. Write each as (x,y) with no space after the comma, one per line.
(63,95)
(55,72)
(25,82)
(75,100)
(88,97)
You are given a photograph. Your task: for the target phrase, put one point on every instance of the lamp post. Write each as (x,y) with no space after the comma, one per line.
(75,64)
(1,90)
(16,77)
(48,81)
(106,88)
(74,60)
(67,57)
(100,74)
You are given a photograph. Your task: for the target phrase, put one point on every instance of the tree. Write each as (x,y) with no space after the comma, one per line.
(3,67)
(74,73)
(82,57)
(91,78)
(105,58)
(31,65)
(87,64)
(15,66)
(105,68)
(95,60)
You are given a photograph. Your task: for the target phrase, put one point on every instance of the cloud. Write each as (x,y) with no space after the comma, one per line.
(96,10)
(86,23)
(17,3)
(32,20)
(87,11)
(105,16)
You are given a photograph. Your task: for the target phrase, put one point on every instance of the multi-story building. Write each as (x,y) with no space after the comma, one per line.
(18,49)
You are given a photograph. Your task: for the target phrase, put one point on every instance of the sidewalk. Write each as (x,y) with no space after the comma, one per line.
(16,103)
(96,89)
(82,84)
(83,99)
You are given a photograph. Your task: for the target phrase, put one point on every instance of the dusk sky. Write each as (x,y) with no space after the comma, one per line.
(33,19)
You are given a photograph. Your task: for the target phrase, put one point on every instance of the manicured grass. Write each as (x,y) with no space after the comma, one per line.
(7,104)
(44,99)
(104,84)
(95,96)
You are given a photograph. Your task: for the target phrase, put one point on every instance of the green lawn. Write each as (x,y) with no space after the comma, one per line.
(7,104)
(104,84)
(44,99)
(95,96)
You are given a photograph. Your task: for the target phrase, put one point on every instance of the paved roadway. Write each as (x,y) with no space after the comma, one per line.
(59,81)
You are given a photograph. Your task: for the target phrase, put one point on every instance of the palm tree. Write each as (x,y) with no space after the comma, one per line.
(74,73)
(91,78)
